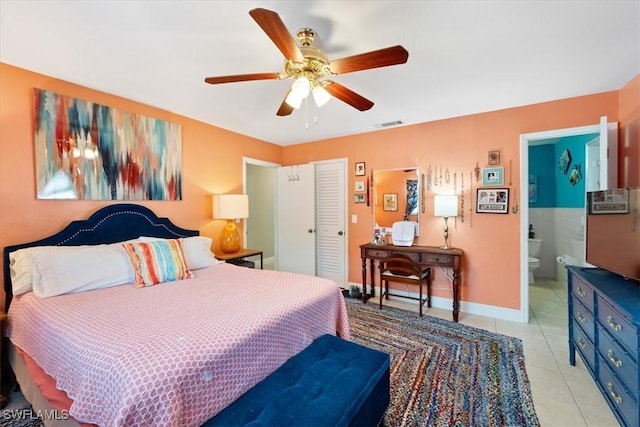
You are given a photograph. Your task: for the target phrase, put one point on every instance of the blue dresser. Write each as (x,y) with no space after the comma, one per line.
(604,327)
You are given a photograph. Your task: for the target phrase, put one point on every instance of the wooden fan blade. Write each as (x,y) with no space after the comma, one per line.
(273,26)
(285,109)
(378,58)
(241,78)
(348,96)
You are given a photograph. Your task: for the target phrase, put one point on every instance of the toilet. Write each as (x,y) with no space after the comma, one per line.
(534,261)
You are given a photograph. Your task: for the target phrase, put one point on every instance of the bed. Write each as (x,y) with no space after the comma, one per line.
(170,346)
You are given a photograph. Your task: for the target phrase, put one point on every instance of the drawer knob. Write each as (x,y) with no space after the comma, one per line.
(617,362)
(581,292)
(581,318)
(615,326)
(616,397)
(581,343)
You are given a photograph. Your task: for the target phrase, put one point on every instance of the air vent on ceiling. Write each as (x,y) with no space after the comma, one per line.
(389,124)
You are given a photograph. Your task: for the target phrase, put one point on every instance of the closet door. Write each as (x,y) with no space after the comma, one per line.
(296,236)
(331,226)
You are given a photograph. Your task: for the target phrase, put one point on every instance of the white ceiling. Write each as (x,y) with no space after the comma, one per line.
(465,57)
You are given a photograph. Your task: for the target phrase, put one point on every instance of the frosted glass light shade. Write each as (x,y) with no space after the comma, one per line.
(320,96)
(445,205)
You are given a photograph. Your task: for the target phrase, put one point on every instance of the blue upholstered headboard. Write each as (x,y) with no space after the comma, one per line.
(113,223)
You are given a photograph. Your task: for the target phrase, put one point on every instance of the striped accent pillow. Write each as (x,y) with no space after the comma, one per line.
(158,261)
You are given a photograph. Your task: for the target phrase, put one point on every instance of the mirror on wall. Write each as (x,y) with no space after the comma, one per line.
(396,196)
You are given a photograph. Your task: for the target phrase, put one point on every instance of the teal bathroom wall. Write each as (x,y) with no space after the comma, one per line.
(542,183)
(553,187)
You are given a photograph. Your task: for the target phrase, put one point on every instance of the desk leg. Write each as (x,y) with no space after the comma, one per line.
(261,262)
(456,293)
(373,277)
(364,280)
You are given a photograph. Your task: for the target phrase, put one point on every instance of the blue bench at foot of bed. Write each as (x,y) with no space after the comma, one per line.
(332,382)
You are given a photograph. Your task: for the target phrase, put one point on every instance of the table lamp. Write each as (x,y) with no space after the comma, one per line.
(230,207)
(445,206)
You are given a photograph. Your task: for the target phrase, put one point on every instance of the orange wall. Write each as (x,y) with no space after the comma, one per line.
(491,242)
(212,163)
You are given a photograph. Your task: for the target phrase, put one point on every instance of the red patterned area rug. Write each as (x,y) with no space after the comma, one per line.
(444,373)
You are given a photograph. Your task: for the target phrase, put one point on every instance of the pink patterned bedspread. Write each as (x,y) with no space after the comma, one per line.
(176,353)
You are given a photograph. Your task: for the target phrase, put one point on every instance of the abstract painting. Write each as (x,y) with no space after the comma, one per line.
(88,151)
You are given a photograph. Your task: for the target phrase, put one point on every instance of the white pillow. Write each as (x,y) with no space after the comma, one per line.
(21,265)
(62,270)
(197,251)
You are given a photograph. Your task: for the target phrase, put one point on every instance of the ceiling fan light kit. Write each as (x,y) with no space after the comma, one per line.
(310,67)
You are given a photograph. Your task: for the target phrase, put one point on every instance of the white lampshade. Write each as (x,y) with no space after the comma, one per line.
(230,206)
(445,205)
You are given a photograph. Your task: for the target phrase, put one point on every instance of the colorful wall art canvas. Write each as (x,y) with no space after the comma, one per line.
(89,151)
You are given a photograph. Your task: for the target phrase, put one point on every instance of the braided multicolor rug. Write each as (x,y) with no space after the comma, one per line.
(444,373)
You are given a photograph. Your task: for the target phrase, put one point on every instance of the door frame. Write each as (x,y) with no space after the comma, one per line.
(257,162)
(525,139)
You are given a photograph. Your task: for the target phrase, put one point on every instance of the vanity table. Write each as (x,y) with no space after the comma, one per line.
(426,256)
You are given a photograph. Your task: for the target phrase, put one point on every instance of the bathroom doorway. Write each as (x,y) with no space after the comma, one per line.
(601,152)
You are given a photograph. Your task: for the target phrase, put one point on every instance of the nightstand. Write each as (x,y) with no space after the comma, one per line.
(238,257)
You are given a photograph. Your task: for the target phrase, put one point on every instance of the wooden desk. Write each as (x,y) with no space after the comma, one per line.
(242,253)
(426,256)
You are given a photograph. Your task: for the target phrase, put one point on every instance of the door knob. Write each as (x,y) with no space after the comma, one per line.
(340,233)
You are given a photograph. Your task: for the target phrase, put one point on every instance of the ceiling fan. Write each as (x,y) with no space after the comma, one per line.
(310,68)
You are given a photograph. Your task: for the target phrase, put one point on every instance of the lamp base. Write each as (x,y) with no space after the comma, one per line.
(230,238)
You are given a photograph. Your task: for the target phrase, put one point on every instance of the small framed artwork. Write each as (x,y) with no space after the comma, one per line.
(493,176)
(492,200)
(359,198)
(494,158)
(609,202)
(361,170)
(390,201)
(359,186)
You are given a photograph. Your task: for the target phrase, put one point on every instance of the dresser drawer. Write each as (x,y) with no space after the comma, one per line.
(583,292)
(441,259)
(619,397)
(584,318)
(585,346)
(619,360)
(618,326)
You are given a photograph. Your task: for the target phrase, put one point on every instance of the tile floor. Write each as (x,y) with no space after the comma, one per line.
(563,395)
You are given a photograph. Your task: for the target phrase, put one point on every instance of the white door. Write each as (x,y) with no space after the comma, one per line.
(608,154)
(331,224)
(296,237)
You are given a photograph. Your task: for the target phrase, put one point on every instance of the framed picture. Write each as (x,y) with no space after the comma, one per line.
(493,176)
(361,170)
(390,201)
(359,198)
(609,202)
(494,158)
(492,200)
(359,185)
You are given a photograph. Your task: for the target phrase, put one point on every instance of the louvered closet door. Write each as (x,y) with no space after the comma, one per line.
(295,233)
(331,227)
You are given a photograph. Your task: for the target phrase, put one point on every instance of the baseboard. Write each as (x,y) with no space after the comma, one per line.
(465,306)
